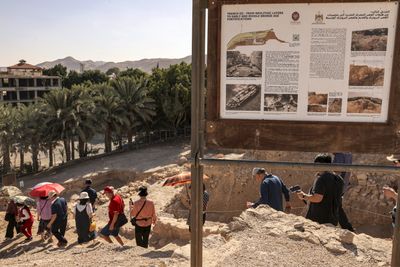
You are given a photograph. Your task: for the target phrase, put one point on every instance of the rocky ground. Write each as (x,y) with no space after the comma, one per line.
(256,237)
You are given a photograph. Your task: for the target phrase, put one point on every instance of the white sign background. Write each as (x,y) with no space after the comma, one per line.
(296,34)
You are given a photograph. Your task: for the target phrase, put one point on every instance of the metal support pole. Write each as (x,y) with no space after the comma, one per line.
(198,54)
(396,235)
(301,166)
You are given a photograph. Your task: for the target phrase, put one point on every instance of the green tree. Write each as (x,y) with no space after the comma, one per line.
(85,118)
(57,70)
(32,120)
(133,73)
(72,78)
(114,70)
(61,116)
(171,90)
(94,76)
(133,96)
(111,116)
(8,118)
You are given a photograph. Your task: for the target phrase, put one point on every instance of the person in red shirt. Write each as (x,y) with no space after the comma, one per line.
(26,218)
(115,208)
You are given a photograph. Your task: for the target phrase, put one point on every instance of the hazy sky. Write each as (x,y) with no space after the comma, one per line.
(109,30)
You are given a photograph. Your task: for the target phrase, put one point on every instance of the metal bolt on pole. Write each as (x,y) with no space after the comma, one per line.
(197,129)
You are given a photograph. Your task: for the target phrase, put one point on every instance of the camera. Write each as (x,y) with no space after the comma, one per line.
(295,188)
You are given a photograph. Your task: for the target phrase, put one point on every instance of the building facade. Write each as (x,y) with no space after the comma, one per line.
(25,83)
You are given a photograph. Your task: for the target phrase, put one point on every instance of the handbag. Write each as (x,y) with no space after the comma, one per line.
(133,219)
(92,226)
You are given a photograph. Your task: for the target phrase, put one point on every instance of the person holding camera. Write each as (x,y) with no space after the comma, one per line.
(325,195)
(271,190)
(143,215)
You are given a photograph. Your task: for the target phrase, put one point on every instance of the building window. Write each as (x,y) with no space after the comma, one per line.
(26,95)
(39,82)
(23,82)
(10,96)
(41,93)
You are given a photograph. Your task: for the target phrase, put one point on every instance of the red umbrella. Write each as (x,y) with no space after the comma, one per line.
(44,189)
(180,179)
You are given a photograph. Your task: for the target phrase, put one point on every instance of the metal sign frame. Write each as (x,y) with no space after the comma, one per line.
(308,136)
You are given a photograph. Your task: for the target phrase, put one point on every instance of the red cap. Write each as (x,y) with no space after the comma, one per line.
(109,189)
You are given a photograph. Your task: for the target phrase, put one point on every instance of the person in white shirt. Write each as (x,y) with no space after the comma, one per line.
(83,218)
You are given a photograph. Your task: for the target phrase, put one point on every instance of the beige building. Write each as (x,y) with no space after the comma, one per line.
(25,83)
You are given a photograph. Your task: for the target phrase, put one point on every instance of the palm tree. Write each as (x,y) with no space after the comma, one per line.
(85,124)
(32,118)
(110,114)
(8,117)
(61,116)
(133,95)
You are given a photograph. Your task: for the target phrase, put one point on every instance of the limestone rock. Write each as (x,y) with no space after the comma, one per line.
(182,252)
(182,160)
(6,192)
(237,225)
(346,237)
(335,247)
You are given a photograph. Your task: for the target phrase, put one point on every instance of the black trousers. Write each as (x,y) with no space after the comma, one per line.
(12,223)
(142,236)
(58,230)
(188,221)
(343,220)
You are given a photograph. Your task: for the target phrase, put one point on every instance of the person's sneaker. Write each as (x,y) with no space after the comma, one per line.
(61,244)
(28,238)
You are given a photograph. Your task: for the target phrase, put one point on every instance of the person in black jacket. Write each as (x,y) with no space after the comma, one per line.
(91,192)
(325,195)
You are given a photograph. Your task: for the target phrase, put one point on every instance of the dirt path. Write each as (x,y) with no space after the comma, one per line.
(155,156)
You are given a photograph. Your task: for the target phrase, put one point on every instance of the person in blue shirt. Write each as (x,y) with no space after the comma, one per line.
(271,190)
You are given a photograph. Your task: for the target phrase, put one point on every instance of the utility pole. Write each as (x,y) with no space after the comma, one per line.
(197,132)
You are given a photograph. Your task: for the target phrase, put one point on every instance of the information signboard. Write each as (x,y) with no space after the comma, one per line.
(303,76)
(309,62)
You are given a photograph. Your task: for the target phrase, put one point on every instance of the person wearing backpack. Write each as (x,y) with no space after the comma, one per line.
(143,215)
(325,195)
(83,217)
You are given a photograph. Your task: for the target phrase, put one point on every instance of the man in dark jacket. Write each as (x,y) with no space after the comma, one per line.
(91,192)
(325,195)
(271,190)
(11,214)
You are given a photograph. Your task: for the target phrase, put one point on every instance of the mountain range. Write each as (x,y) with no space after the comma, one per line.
(144,64)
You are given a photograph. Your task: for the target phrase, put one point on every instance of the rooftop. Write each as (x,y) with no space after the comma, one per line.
(23,65)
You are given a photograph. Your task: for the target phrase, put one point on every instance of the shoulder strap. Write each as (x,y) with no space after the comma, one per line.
(43,207)
(141,209)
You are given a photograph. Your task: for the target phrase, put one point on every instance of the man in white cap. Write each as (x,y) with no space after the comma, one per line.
(271,190)
(58,221)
